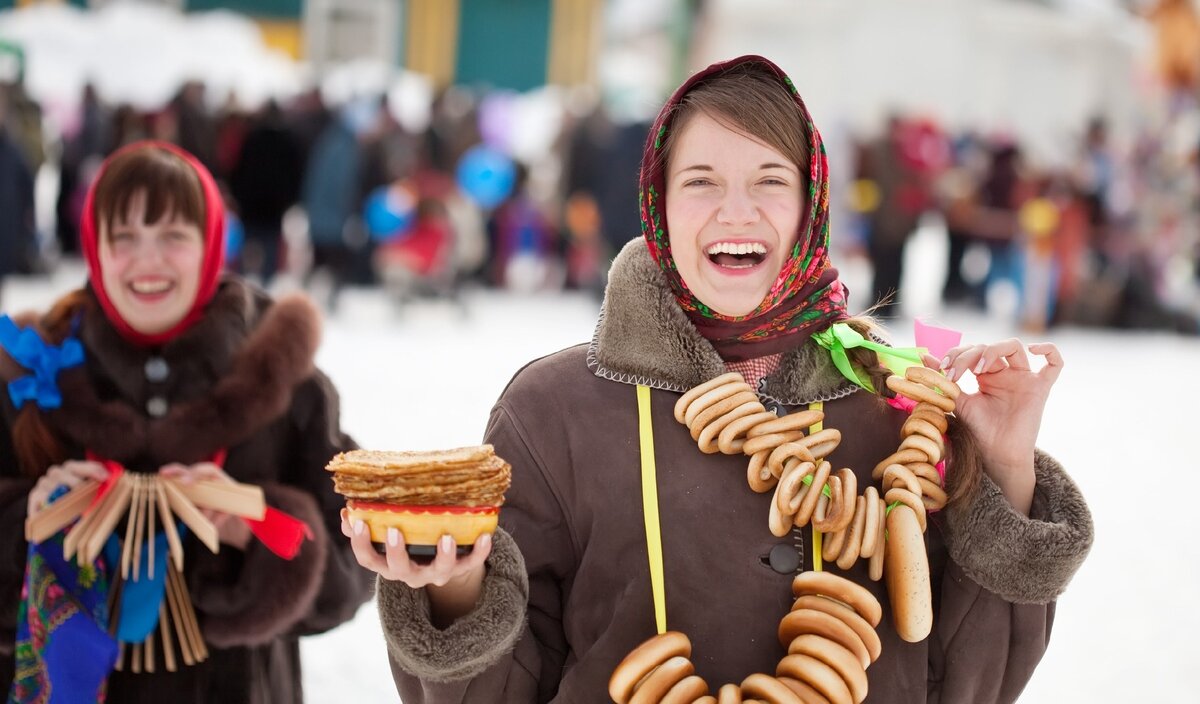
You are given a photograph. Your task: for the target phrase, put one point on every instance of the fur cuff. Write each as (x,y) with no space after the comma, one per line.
(269,595)
(1023,560)
(471,644)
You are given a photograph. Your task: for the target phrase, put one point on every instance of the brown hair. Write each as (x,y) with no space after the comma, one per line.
(962,451)
(171,185)
(746,98)
(36,446)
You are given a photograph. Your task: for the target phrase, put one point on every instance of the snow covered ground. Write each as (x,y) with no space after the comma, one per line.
(1120,419)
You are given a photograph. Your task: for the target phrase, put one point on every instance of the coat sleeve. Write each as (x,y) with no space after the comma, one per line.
(999,585)
(14,491)
(252,597)
(511,648)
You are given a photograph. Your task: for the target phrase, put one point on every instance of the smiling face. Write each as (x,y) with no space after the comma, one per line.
(733,208)
(151,271)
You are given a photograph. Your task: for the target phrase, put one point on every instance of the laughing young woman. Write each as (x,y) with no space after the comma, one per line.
(732,274)
(176,366)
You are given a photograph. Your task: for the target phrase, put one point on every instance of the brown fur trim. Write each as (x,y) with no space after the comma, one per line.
(1025,560)
(471,644)
(276,357)
(258,374)
(270,595)
(644,337)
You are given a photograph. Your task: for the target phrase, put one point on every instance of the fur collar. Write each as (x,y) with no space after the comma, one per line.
(643,337)
(231,374)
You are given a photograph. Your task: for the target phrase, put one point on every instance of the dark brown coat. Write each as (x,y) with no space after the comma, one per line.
(568,424)
(242,379)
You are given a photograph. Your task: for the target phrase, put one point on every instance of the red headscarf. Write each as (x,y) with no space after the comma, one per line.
(210,268)
(807,296)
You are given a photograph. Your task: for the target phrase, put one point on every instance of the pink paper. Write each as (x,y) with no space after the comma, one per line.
(937,340)
(902,403)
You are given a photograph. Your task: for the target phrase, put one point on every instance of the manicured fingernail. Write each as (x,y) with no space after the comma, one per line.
(359,526)
(393,537)
(945,362)
(486,540)
(979,367)
(444,544)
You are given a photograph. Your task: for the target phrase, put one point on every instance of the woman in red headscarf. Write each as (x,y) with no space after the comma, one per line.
(617,524)
(162,364)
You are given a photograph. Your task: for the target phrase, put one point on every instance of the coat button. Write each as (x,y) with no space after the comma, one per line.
(157,407)
(157,370)
(784,558)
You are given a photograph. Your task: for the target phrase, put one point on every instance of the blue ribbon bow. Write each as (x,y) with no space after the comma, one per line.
(43,360)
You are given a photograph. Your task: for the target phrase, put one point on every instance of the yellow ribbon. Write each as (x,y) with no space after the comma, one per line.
(650,508)
(816,534)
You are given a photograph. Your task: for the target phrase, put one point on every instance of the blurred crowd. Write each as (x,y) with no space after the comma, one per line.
(1107,238)
(343,194)
(332,195)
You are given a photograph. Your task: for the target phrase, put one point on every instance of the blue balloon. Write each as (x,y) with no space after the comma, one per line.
(486,175)
(235,236)
(388,213)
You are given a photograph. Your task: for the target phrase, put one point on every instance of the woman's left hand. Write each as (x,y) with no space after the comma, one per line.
(1006,413)
(231,529)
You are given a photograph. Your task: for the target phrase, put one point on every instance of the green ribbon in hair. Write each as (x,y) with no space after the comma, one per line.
(839,337)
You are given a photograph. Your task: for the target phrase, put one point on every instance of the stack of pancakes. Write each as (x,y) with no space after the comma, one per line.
(424,494)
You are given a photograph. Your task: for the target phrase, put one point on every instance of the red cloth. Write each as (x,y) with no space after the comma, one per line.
(214,248)
(424,249)
(282,533)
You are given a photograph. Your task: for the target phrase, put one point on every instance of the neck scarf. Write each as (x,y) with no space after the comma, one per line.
(210,269)
(806,297)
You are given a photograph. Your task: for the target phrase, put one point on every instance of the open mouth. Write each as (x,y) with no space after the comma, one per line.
(151,289)
(731,255)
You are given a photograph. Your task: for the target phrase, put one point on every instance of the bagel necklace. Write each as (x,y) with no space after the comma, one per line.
(830,630)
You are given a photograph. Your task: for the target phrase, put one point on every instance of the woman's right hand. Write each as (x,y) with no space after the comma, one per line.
(454,584)
(71,474)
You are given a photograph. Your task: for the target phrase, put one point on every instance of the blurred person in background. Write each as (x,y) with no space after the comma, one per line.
(524,246)
(1095,174)
(332,193)
(23,120)
(231,124)
(265,183)
(82,153)
(601,162)
(186,373)
(1001,194)
(195,130)
(17,228)
(892,164)
(957,194)
(587,253)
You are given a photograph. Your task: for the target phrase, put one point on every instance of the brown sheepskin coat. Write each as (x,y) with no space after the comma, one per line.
(568,594)
(241,379)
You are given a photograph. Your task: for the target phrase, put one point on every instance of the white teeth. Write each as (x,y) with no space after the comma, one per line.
(151,287)
(732,248)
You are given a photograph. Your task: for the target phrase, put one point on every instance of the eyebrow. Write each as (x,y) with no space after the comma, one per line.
(762,167)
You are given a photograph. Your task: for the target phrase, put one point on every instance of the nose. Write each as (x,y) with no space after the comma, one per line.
(149,249)
(738,208)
